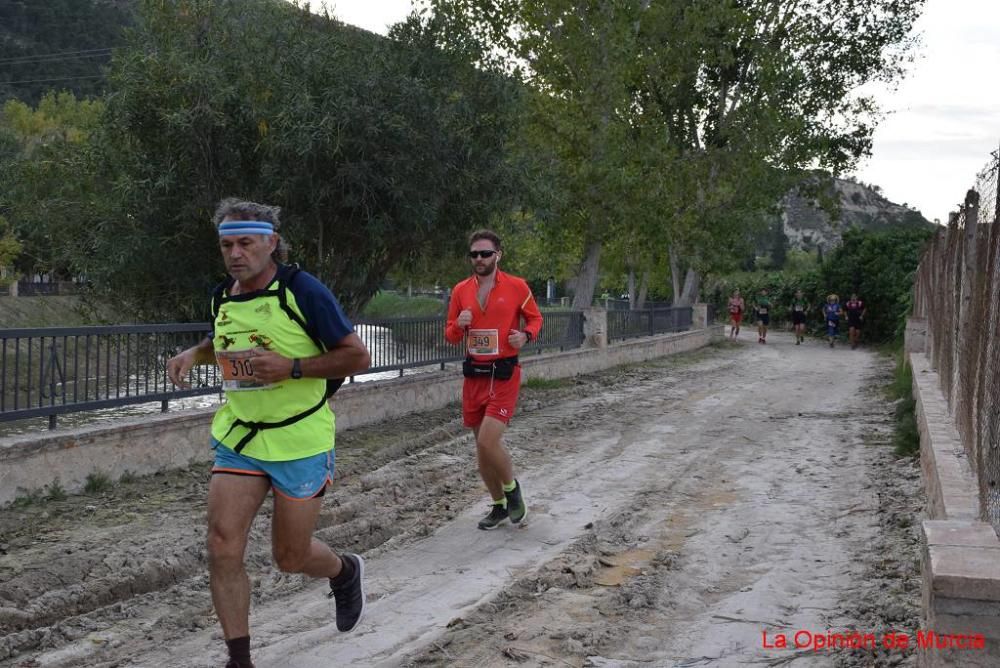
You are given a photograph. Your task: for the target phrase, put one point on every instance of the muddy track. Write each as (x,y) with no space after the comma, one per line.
(679,508)
(91,564)
(696,565)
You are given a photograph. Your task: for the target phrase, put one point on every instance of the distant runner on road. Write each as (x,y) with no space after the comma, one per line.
(799,308)
(832,313)
(762,305)
(278,335)
(855,316)
(485,312)
(737,306)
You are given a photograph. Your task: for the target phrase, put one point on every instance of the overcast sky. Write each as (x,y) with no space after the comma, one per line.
(944,118)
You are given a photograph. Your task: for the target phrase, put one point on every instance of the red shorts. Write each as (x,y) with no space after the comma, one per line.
(736,317)
(482,397)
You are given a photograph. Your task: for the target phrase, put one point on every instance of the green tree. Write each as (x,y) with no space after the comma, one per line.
(50,184)
(779,245)
(879,267)
(10,247)
(577,57)
(698,114)
(58,43)
(381,152)
(751,92)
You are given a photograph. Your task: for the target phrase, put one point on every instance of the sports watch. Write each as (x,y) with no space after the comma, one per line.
(296,368)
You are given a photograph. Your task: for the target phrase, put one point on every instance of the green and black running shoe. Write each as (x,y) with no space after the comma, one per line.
(498,515)
(516,508)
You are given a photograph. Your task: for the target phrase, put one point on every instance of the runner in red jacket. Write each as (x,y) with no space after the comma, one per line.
(485,314)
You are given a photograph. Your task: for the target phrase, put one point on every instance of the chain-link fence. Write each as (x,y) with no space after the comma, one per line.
(957,289)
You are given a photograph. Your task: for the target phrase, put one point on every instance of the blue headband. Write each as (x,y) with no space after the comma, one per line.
(240,227)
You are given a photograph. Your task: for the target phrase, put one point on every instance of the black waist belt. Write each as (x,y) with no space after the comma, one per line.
(498,369)
(256,427)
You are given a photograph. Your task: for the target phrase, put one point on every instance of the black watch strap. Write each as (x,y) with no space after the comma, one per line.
(296,368)
(528,336)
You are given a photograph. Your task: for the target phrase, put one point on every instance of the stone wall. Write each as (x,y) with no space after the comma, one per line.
(960,561)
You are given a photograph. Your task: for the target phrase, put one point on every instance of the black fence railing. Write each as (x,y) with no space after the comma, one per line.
(53,371)
(609,304)
(47,289)
(647,322)
(47,372)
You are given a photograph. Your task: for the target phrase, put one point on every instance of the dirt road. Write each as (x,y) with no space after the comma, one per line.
(679,511)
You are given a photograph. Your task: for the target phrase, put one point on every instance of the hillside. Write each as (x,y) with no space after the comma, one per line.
(66,44)
(808,221)
(63,44)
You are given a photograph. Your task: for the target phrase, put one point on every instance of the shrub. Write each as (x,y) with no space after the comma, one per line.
(96,483)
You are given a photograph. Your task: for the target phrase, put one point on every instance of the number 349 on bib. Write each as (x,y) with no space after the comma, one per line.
(484,342)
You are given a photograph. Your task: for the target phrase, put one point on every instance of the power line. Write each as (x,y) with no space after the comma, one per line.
(27,81)
(86,53)
(40,59)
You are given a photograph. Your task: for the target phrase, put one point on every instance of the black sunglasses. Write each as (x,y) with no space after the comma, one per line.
(483,254)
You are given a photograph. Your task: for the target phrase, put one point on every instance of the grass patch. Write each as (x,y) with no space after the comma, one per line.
(55,492)
(395,305)
(32,498)
(128,478)
(96,483)
(546,383)
(906,439)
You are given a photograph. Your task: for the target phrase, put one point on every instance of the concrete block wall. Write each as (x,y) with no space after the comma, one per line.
(173,440)
(960,561)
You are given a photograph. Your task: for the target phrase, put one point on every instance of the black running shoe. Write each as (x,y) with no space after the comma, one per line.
(350,597)
(233,663)
(517,510)
(498,515)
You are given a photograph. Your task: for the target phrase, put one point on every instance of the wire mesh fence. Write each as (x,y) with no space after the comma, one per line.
(957,290)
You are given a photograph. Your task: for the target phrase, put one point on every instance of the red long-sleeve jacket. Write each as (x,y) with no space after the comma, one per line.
(508,301)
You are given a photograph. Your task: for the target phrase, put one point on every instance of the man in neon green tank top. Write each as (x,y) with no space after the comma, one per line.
(278,335)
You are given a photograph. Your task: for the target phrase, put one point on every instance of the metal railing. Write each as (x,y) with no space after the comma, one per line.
(47,372)
(611,304)
(52,371)
(47,289)
(647,322)
(396,344)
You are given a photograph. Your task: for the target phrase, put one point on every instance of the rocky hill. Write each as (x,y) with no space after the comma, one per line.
(820,218)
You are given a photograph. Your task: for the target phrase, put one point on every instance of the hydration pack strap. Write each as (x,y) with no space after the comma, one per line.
(256,427)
